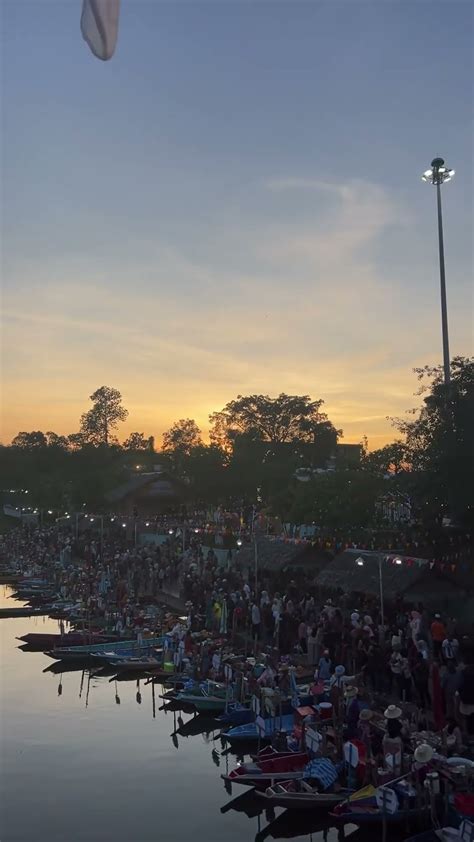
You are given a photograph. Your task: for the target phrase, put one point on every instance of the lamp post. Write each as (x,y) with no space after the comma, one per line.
(101,518)
(256,566)
(360,563)
(437,175)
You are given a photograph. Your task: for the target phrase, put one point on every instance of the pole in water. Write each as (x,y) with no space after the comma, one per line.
(88,688)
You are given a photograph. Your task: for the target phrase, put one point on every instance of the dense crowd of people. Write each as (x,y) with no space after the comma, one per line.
(413,657)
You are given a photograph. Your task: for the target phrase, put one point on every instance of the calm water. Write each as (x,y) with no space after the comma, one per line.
(77,766)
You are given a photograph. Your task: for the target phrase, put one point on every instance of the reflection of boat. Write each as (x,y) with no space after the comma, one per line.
(266,772)
(249,732)
(59,667)
(197,725)
(290,825)
(247,802)
(447,834)
(300,795)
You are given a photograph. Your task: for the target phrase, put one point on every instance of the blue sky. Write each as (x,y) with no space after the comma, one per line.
(232,204)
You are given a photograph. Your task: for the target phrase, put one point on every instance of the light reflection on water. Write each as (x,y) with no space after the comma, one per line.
(78,767)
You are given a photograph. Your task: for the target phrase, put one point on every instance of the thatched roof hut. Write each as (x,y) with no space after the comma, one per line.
(358,571)
(276,554)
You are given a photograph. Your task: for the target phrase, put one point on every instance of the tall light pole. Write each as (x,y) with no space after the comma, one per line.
(437,175)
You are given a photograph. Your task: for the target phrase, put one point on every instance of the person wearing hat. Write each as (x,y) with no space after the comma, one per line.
(423,756)
(392,741)
(337,683)
(363,727)
(354,705)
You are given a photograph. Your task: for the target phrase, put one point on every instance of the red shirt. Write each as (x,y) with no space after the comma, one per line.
(438,631)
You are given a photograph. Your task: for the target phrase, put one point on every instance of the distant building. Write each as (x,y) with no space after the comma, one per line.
(147,494)
(348,455)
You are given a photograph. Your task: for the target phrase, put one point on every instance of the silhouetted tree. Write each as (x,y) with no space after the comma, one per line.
(29,441)
(281,420)
(107,411)
(182,437)
(136,441)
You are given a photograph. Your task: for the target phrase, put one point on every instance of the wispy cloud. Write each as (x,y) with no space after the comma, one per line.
(279,185)
(300,307)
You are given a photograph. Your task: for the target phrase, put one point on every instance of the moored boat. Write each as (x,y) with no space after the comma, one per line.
(298,794)
(105,650)
(144,663)
(249,732)
(41,640)
(363,808)
(266,772)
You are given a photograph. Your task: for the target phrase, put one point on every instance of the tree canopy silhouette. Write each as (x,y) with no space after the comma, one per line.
(98,423)
(282,420)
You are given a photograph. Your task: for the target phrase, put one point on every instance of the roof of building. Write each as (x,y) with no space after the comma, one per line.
(344,572)
(156,484)
(276,553)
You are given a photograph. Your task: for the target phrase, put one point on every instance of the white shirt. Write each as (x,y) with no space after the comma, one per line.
(255,615)
(450,648)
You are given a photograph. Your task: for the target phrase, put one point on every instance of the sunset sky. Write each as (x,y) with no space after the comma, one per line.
(231,205)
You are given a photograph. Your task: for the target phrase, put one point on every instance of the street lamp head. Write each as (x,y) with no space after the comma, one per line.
(438,172)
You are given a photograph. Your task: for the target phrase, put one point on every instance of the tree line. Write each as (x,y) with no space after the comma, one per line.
(271,450)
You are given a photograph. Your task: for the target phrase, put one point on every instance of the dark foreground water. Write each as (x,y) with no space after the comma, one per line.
(77,766)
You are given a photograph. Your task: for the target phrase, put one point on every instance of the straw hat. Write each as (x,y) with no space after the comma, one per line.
(350,692)
(423,753)
(393,712)
(366,714)
(340,670)
(368,620)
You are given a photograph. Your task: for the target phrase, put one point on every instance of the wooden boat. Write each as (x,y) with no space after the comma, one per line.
(40,640)
(298,794)
(362,814)
(239,714)
(267,772)
(269,752)
(104,650)
(208,696)
(145,663)
(8,576)
(25,611)
(249,732)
